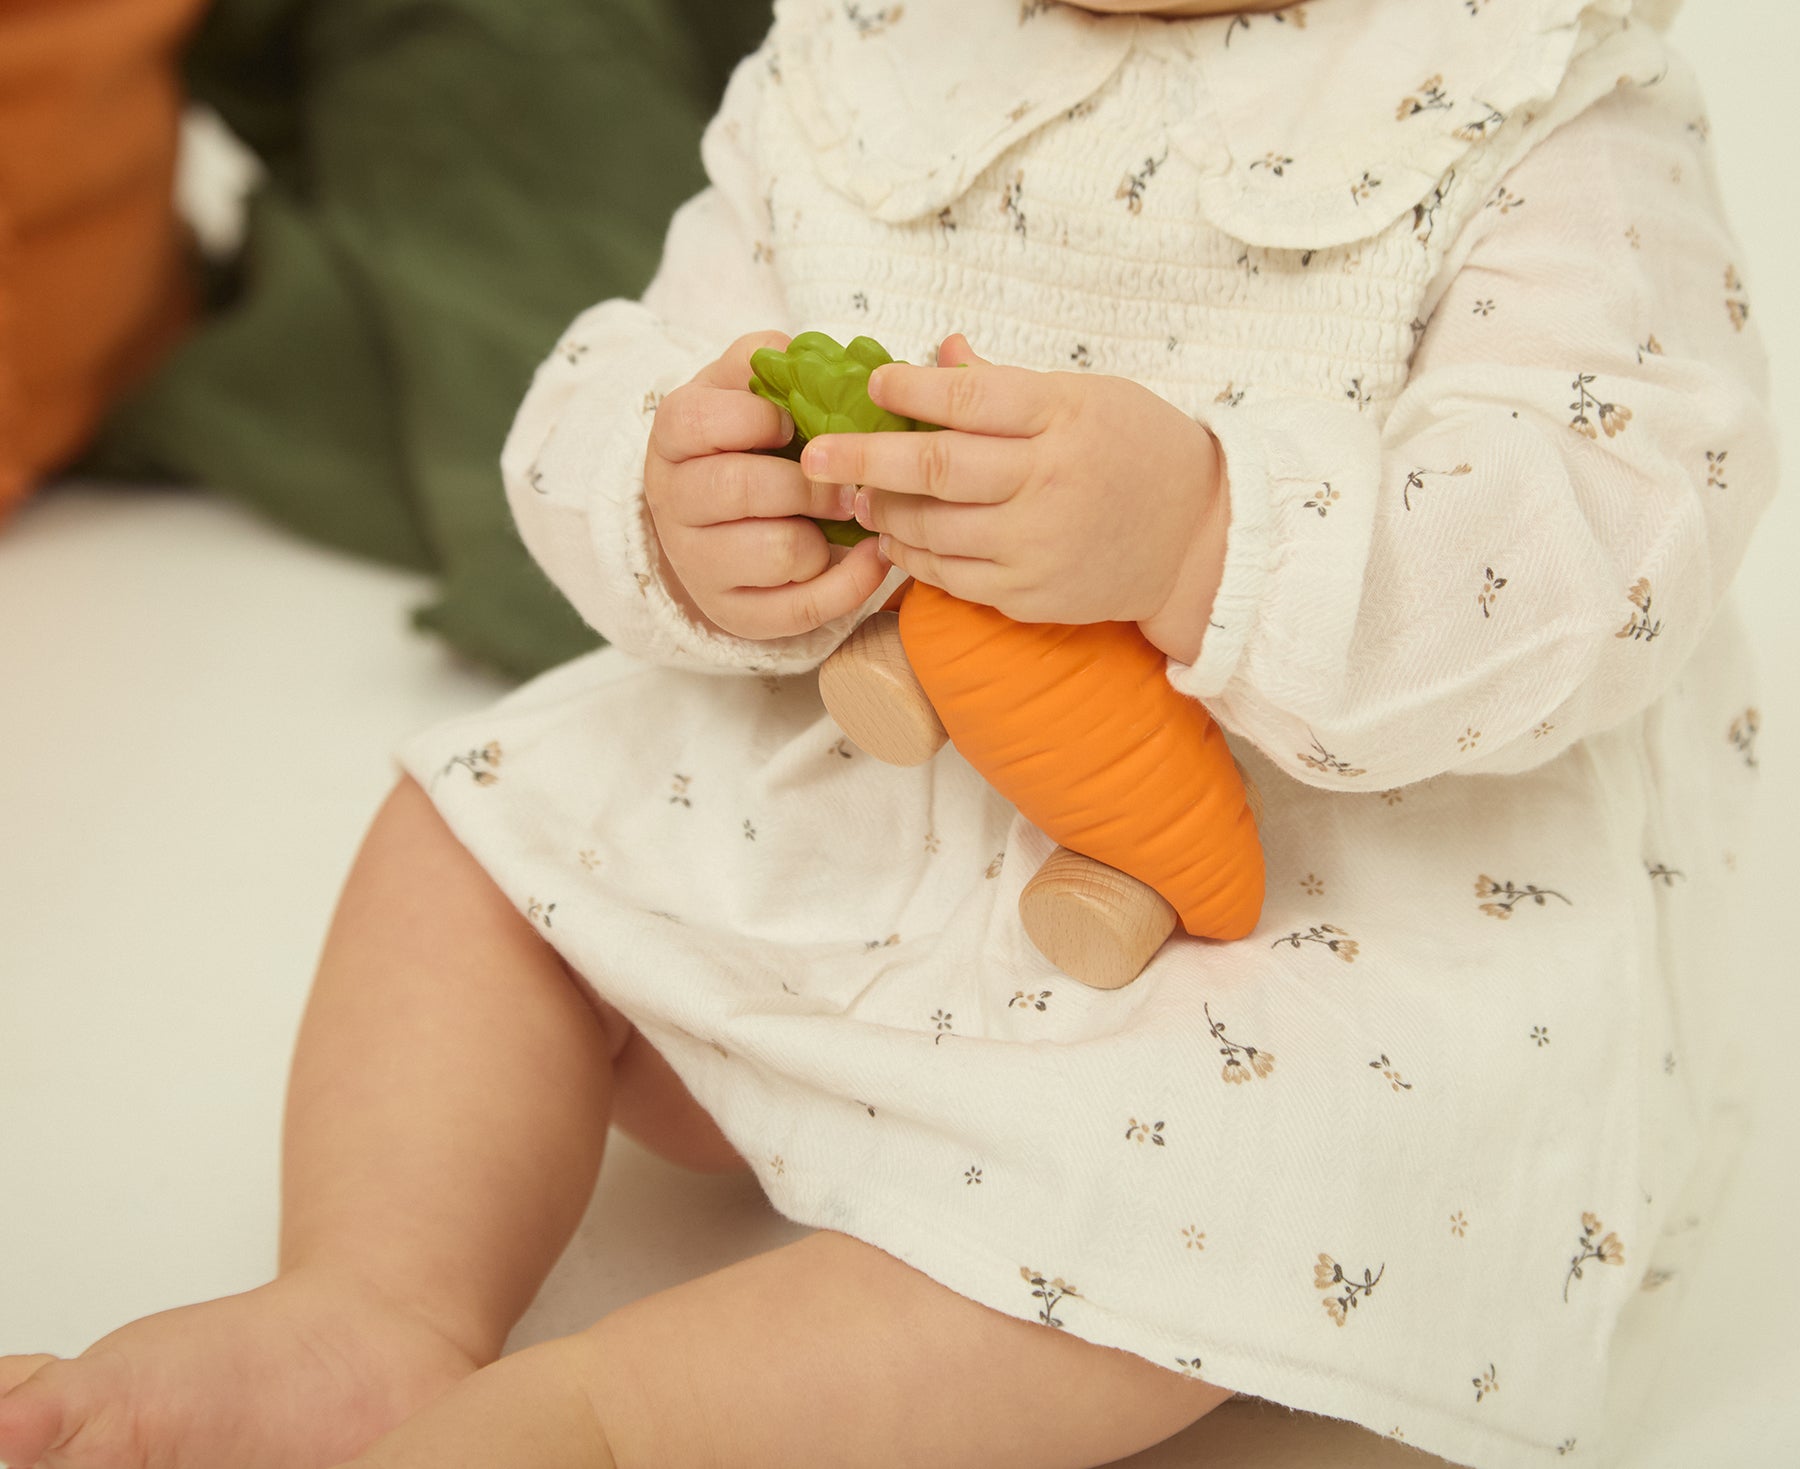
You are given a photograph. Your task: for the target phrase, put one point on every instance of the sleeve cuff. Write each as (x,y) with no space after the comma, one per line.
(1248,544)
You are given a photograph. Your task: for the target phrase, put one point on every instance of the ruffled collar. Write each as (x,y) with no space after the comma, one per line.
(1319,124)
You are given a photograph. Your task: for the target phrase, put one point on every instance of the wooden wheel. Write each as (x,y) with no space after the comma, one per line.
(871,691)
(1095,923)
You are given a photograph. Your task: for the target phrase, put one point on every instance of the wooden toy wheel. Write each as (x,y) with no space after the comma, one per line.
(1095,923)
(870,689)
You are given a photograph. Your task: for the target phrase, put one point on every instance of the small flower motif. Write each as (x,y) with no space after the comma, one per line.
(1489,592)
(1196,1238)
(679,786)
(1459,1224)
(1386,1068)
(1028,1000)
(843,750)
(1364,187)
(1633,238)
(1655,1279)
(1715,469)
(1668,1063)
(1274,162)
(1743,735)
(589,858)
(971,1175)
(1131,187)
(1607,1250)
(1012,203)
(1429,97)
(1323,499)
(1640,625)
(1415,480)
(1567,1446)
(1541,728)
(1477,128)
(1312,886)
(1230,395)
(1190,1366)
(1468,739)
(1509,895)
(1660,872)
(539,912)
(995,864)
(1613,416)
(859,303)
(1541,1035)
(1354,391)
(1737,303)
(749,830)
(1504,200)
(776,1163)
(1050,1292)
(941,1019)
(1081,357)
(572,352)
(871,23)
(1393,798)
(886,943)
(1325,762)
(1487,1383)
(1140,1132)
(933,842)
(946,221)
(1328,934)
(481,764)
(1485,306)
(1241,1061)
(1328,1275)
(1649,347)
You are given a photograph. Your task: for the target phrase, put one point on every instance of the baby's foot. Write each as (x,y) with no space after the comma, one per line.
(302,1373)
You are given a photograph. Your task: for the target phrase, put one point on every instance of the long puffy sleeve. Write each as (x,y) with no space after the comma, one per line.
(1526,549)
(573,463)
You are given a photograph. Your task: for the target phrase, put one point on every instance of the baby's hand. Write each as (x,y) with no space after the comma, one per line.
(1052,496)
(733,523)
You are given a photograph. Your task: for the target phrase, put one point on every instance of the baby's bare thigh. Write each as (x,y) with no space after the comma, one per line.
(653,1107)
(829,1351)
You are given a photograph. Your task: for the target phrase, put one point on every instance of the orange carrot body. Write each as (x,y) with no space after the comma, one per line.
(1080,729)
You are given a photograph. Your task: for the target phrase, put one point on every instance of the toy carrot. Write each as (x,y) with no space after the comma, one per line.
(1076,725)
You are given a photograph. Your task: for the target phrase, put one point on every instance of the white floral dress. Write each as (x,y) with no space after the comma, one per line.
(1449,281)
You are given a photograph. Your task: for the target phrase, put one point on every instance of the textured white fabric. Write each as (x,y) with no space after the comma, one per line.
(1407,1153)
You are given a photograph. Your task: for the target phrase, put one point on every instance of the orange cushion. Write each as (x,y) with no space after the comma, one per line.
(93,279)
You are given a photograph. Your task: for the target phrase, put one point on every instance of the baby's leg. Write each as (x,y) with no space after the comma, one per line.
(825,1352)
(446,1113)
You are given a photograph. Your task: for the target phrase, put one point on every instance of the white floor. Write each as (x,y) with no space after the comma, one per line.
(194,717)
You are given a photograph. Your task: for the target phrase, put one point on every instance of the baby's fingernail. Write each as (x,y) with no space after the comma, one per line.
(846,501)
(862,509)
(881,549)
(876,379)
(812,462)
(787,427)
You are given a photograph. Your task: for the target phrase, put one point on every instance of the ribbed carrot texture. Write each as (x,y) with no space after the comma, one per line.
(1080,729)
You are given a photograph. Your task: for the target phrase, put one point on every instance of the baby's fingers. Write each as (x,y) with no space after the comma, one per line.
(801,606)
(727,487)
(699,418)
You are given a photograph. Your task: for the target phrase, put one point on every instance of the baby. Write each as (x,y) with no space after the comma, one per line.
(1386,362)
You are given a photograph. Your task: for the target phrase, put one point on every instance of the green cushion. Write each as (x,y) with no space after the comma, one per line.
(450,182)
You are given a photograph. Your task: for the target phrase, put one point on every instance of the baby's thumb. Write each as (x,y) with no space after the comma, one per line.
(956,352)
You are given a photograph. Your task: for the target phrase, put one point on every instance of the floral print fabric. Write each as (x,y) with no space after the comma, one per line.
(1425,1149)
